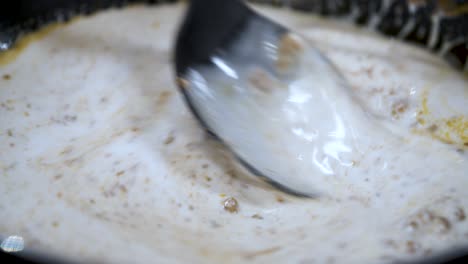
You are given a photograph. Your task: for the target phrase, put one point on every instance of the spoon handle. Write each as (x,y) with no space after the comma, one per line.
(208,25)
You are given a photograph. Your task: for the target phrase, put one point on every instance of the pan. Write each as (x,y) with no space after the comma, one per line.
(440,27)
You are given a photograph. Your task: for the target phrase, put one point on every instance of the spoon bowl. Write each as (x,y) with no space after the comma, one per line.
(266,93)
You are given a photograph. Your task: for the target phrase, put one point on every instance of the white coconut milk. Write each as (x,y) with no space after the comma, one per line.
(100,159)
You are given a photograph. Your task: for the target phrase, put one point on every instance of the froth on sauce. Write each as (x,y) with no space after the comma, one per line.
(103,145)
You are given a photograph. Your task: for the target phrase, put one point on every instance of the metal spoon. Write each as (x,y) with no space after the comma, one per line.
(256,86)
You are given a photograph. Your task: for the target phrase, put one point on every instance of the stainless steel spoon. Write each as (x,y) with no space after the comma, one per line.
(265,92)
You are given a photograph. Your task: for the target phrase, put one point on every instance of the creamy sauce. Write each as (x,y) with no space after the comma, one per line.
(24,41)
(101,160)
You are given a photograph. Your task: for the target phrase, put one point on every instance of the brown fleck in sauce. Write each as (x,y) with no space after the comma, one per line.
(231,205)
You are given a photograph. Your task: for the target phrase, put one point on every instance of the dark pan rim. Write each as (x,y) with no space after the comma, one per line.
(439,26)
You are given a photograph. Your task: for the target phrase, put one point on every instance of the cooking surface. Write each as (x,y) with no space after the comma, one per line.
(101,160)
